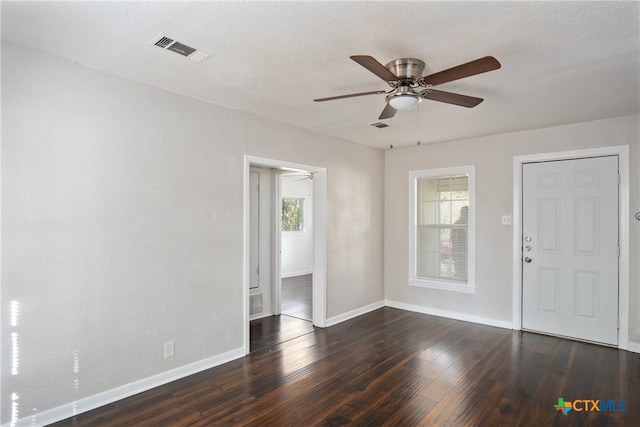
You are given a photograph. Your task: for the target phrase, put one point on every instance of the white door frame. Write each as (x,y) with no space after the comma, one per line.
(622,151)
(319,292)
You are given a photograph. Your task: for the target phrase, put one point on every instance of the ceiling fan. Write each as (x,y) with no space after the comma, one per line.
(404,75)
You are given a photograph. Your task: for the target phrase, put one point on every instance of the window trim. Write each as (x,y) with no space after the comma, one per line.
(470,286)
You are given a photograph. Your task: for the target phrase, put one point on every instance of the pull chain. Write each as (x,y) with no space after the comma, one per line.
(418,142)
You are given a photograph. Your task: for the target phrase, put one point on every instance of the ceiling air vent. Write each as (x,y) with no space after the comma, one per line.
(182,49)
(380,125)
(164,42)
(167,43)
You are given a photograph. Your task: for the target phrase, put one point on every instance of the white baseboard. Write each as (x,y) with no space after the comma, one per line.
(92,402)
(633,347)
(449,314)
(296,273)
(354,313)
(260,316)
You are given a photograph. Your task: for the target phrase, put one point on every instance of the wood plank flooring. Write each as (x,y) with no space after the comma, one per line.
(272,330)
(296,315)
(395,368)
(296,297)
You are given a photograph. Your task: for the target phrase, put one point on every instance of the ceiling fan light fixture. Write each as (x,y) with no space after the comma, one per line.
(404,101)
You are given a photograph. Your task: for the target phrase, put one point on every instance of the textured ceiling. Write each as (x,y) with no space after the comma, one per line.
(562,62)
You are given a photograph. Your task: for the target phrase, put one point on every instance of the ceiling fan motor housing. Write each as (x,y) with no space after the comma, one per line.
(408,71)
(406,68)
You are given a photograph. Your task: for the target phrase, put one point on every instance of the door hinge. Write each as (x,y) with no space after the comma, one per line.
(618,251)
(618,323)
(258,270)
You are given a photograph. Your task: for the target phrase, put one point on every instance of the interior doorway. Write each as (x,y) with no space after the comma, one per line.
(299,261)
(296,244)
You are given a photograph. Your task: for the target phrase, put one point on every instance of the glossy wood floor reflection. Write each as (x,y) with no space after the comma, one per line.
(296,296)
(295,320)
(392,367)
(272,330)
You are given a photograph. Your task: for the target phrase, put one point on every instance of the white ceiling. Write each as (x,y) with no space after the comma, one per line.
(562,62)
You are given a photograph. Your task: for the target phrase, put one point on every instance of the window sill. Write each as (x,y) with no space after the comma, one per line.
(445,286)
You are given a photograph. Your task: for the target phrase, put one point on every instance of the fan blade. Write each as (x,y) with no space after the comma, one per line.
(453,98)
(375,67)
(482,65)
(387,113)
(351,95)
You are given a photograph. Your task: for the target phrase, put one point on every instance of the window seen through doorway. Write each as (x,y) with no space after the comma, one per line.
(292,214)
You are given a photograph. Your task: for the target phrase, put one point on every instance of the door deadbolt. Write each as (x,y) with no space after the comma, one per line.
(527,259)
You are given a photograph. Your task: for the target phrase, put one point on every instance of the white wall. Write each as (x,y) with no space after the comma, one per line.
(493,160)
(122,229)
(297,246)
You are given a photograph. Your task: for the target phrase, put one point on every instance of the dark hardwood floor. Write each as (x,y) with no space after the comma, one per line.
(296,296)
(295,320)
(272,330)
(393,367)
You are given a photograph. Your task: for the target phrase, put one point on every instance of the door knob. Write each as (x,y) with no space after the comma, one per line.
(527,259)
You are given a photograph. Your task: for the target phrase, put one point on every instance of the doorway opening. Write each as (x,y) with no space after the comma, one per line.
(296,244)
(285,251)
(522,260)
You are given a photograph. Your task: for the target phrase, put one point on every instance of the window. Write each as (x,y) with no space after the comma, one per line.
(442,229)
(292,214)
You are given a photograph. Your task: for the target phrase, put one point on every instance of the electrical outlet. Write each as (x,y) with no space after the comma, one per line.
(506,219)
(169,349)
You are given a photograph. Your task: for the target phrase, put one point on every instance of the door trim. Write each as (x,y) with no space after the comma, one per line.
(622,151)
(319,286)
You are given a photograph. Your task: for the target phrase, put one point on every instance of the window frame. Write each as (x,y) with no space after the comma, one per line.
(433,283)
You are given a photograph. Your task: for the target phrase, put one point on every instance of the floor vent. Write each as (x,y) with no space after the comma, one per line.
(379,125)
(255,304)
(167,43)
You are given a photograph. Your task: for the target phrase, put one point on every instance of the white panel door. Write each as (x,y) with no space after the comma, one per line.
(570,248)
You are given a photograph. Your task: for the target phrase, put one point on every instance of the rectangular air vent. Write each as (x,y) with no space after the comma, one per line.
(167,43)
(180,48)
(164,42)
(380,125)
(255,304)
